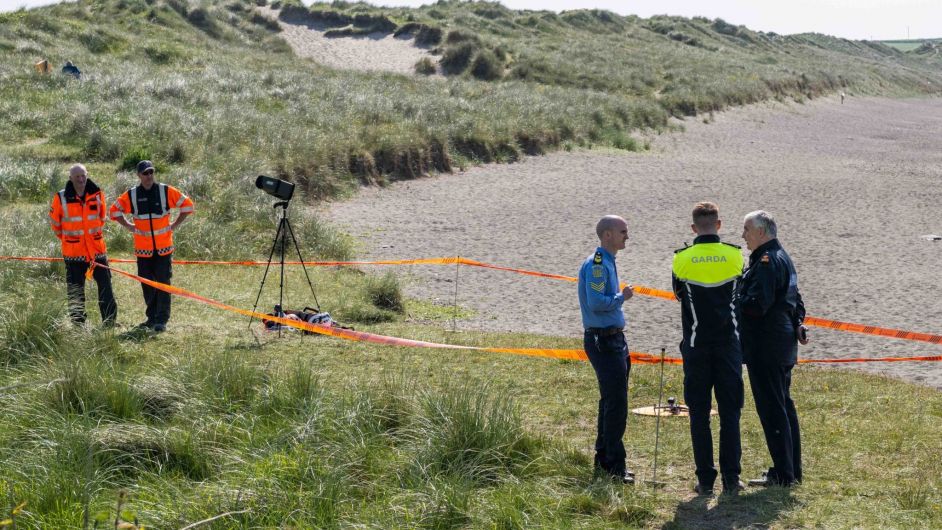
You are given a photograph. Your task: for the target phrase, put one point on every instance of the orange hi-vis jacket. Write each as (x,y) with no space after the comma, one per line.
(78,222)
(150,210)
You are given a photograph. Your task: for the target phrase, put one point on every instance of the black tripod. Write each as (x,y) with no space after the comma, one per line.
(281,234)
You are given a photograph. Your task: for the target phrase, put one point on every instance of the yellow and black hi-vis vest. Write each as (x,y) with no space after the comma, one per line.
(705,277)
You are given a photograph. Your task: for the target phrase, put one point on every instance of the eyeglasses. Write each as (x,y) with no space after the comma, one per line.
(148,172)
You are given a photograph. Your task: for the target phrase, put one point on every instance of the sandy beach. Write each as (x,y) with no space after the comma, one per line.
(853,187)
(381,52)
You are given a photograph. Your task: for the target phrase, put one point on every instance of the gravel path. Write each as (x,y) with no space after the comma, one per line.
(854,188)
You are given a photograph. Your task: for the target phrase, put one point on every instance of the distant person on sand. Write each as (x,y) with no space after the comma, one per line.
(842,97)
(772,326)
(704,277)
(77,216)
(600,301)
(72,70)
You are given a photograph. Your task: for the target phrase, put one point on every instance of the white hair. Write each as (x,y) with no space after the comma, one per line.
(762,219)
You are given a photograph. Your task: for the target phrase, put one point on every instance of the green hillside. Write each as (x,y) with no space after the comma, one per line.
(210,420)
(918,46)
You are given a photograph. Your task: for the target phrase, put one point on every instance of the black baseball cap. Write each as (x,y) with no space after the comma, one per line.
(144,165)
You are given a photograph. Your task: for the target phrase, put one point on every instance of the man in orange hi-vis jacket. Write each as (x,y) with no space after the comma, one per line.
(149,206)
(77,217)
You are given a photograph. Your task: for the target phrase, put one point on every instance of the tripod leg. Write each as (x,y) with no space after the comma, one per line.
(301,259)
(657,422)
(264,276)
(281,283)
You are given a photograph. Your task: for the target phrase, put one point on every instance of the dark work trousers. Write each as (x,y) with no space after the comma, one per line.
(159,269)
(771,389)
(75,286)
(609,358)
(709,369)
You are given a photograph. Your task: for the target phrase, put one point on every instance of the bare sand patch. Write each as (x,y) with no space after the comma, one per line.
(854,188)
(374,52)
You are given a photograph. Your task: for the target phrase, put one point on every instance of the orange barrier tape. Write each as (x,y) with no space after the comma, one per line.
(641,290)
(873,330)
(362,336)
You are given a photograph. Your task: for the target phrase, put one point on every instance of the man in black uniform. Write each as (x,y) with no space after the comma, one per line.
(772,316)
(705,276)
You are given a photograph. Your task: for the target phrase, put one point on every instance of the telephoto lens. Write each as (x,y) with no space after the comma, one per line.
(281,189)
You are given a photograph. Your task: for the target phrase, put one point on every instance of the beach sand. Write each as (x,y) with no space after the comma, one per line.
(853,188)
(380,52)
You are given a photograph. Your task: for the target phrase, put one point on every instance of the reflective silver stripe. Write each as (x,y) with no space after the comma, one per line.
(150,216)
(163,198)
(72,219)
(117,214)
(181,201)
(93,217)
(732,309)
(693,311)
(72,232)
(55,224)
(133,194)
(188,209)
(94,230)
(148,233)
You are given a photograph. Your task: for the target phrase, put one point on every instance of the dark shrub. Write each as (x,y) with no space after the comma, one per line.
(425,66)
(164,53)
(456,58)
(424,35)
(486,66)
(461,35)
(384,292)
(134,155)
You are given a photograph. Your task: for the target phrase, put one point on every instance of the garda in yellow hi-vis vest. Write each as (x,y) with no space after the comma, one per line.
(705,276)
(150,210)
(78,222)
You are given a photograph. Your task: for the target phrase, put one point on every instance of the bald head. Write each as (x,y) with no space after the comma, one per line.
(609,222)
(613,233)
(78,175)
(77,169)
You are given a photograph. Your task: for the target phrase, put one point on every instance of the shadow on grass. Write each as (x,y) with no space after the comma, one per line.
(754,509)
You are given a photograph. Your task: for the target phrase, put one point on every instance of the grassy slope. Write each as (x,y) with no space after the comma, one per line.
(321,433)
(200,421)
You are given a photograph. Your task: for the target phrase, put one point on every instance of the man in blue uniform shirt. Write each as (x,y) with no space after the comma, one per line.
(600,300)
(772,326)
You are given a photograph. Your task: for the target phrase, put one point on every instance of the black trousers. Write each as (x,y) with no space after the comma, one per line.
(158,269)
(609,358)
(771,389)
(714,369)
(75,287)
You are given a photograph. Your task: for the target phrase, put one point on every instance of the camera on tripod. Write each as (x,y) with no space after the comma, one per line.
(281,189)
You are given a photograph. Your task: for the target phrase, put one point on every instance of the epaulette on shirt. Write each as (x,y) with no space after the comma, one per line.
(765,258)
(598,257)
(732,245)
(686,246)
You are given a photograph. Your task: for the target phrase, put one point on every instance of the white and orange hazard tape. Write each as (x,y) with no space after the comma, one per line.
(553,353)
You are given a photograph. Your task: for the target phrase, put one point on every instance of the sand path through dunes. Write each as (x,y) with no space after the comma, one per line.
(374,52)
(853,187)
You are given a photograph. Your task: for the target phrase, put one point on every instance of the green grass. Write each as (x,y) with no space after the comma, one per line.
(910,45)
(317,432)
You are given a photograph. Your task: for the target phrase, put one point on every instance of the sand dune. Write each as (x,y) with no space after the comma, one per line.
(374,52)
